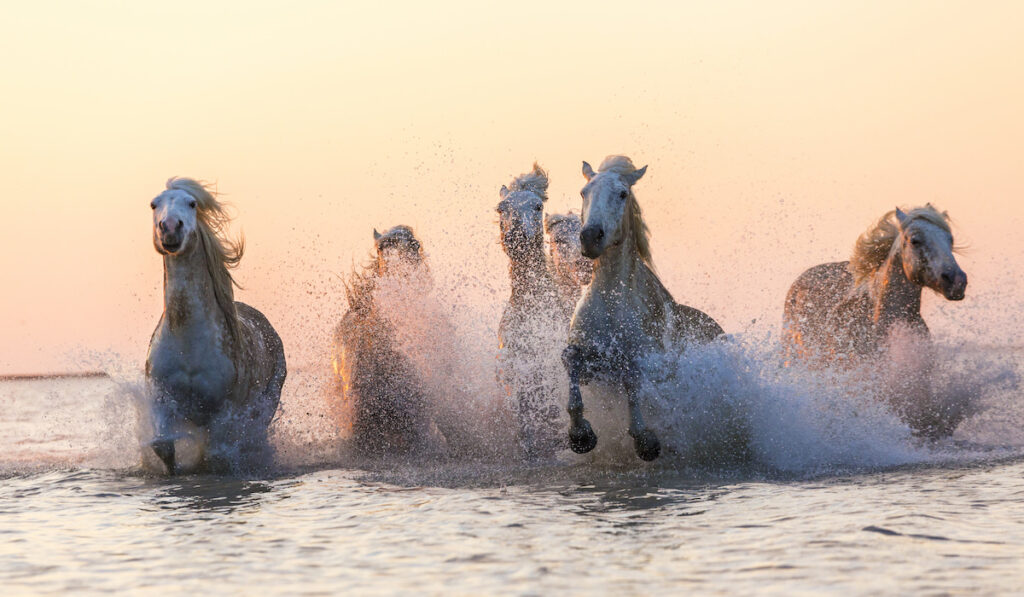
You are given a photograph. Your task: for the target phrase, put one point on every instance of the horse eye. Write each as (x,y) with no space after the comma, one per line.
(538,208)
(915,242)
(192,204)
(152,205)
(622,195)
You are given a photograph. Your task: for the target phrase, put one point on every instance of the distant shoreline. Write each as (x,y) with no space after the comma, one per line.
(32,376)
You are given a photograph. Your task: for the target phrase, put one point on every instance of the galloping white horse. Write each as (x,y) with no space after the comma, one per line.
(626,313)
(848,311)
(215,366)
(531,323)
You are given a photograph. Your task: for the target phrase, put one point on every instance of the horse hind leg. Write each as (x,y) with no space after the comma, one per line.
(645,441)
(582,438)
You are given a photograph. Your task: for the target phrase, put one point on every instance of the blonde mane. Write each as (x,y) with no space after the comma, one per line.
(623,166)
(220,252)
(873,247)
(535,181)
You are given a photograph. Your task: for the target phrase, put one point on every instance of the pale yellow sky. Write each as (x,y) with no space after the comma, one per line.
(775,133)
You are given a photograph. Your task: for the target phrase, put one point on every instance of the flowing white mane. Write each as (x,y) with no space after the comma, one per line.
(873,247)
(220,252)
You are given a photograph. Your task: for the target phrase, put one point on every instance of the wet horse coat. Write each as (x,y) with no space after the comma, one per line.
(626,313)
(215,367)
(848,312)
(532,323)
(376,379)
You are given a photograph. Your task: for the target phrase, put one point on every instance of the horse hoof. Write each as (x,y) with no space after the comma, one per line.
(164,450)
(582,439)
(647,445)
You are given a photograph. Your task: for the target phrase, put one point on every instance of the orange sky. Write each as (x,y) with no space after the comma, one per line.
(775,133)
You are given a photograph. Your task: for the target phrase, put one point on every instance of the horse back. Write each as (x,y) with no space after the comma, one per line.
(693,326)
(811,299)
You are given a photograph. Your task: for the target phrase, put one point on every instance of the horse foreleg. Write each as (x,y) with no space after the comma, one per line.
(582,438)
(645,441)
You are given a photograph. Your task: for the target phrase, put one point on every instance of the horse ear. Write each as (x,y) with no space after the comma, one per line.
(637,175)
(503,192)
(901,217)
(588,172)
(376,235)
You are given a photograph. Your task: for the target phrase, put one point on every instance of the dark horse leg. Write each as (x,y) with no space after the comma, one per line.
(164,450)
(582,438)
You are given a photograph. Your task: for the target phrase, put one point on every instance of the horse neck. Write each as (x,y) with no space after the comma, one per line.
(894,297)
(618,268)
(529,275)
(189,297)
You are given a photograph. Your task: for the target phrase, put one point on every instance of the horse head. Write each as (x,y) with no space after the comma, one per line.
(566,257)
(398,250)
(608,204)
(926,249)
(175,222)
(521,214)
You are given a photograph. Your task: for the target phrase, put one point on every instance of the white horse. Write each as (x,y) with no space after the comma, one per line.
(570,270)
(215,367)
(532,323)
(626,314)
(851,311)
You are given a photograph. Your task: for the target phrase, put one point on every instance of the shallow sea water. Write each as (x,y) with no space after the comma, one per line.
(77,516)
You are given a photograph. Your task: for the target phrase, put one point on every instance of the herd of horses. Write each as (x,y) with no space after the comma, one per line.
(588,297)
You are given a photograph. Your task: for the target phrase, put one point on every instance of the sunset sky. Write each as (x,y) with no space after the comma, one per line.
(775,132)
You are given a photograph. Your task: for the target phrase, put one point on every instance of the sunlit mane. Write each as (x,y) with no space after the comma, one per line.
(873,247)
(535,181)
(622,165)
(222,253)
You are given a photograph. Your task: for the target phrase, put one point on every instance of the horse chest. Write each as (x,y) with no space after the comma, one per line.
(191,365)
(611,329)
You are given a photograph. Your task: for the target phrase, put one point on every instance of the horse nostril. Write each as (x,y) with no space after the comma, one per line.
(947,278)
(591,236)
(177,227)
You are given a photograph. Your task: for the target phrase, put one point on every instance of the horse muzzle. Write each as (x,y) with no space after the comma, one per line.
(954,285)
(592,241)
(171,245)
